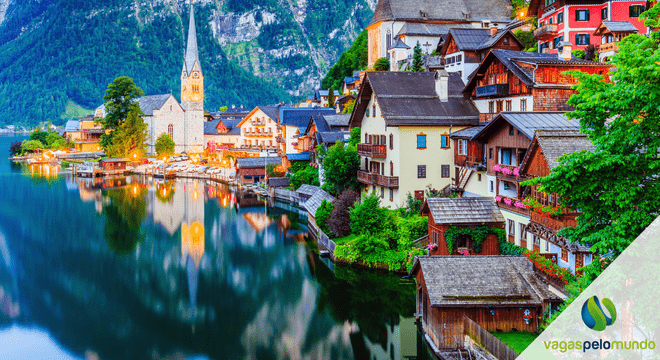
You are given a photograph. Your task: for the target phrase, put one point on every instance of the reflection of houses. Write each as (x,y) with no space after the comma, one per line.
(546,148)
(508,137)
(257,220)
(447,213)
(499,293)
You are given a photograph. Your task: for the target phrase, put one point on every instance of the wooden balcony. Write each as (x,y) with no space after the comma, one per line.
(372,151)
(472,162)
(259,134)
(611,46)
(365,177)
(391,182)
(554,223)
(513,208)
(546,32)
(493,90)
(509,173)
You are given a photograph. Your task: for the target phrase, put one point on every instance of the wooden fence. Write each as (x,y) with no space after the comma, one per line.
(492,344)
(286,195)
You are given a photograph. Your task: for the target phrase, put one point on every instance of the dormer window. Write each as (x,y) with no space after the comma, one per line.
(424,14)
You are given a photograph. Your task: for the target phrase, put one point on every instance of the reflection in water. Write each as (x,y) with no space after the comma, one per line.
(183,270)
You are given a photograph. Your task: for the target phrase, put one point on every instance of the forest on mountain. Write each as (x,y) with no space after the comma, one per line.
(353,59)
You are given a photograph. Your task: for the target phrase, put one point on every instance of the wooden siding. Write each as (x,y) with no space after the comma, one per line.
(502,139)
(498,73)
(538,166)
(490,245)
(474,153)
(552,99)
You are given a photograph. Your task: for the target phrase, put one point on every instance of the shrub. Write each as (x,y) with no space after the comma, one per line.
(164,145)
(382,64)
(15,148)
(31,145)
(413,206)
(322,215)
(308,175)
(368,217)
(578,53)
(410,229)
(340,220)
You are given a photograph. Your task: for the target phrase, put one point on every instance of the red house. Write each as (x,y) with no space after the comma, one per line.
(449,214)
(575,21)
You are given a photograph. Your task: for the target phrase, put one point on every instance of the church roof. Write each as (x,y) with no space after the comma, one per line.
(191,50)
(447,10)
(152,102)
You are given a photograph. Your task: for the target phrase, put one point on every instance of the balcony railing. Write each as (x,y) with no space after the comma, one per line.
(509,172)
(508,203)
(554,223)
(257,134)
(365,177)
(472,162)
(611,46)
(391,182)
(545,32)
(372,151)
(493,90)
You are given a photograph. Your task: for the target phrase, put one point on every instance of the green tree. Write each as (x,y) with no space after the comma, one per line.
(367,217)
(353,59)
(527,38)
(331,98)
(382,64)
(223,109)
(340,166)
(307,175)
(418,62)
(355,137)
(54,140)
(578,53)
(274,170)
(615,188)
(130,139)
(31,145)
(39,135)
(348,108)
(119,100)
(164,145)
(322,215)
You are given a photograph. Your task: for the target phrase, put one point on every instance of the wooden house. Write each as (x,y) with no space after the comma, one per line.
(305,191)
(508,137)
(520,81)
(499,293)
(610,33)
(469,163)
(446,213)
(252,170)
(113,166)
(545,150)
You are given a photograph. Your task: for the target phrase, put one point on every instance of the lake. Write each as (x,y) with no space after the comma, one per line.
(134,268)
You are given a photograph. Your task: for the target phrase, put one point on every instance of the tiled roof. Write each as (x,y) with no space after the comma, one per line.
(621,26)
(299,117)
(410,98)
(350,80)
(278,182)
(399,44)
(72,125)
(332,137)
(456,10)
(453,281)
(339,120)
(428,29)
(210,127)
(464,210)
(303,156)
(152,102)
(529,122)
(271,111)
(469,39)
(468,133)
(306,189)
(555,143)
(257,162)
(320,122)
(315,201)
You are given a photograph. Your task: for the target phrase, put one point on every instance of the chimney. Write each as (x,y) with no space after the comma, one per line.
(442,85)
(493,31)
(565,54)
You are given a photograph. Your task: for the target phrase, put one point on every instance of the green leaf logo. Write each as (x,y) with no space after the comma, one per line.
(594,316)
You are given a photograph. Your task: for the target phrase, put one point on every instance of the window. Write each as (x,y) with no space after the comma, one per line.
(564,254)
(373,107)
(366,138)
(500,106)
(547,247)
(512,228)
(582,39)
(444,141)
(635,10)
(421,171)
(444,171)
(491,186)
(523,104)
(462,147)
(419,195)
(549,2)
(383,140)
(391,141)
(511,129)
(490,153)
(582,15)
(545,45)
(421,141)
(367,112)
(391,168)
(170,131)
(491,107)
(523,233)
(392,196)
(479,177)
(382,192)
(579,261)
(506,156)
(459,58)
(603,13)
(463,242)
(560,18)
(550,21)
(505,41)
(508,105)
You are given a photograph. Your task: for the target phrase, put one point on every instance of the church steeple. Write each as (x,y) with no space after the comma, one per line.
(192,55)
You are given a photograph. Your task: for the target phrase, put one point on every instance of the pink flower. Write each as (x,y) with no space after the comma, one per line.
(507,201)
(516,171)
(520,205)
(498,198)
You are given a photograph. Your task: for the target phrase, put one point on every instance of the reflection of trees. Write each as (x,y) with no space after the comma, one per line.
(124,215)
(373,300)
(165,192)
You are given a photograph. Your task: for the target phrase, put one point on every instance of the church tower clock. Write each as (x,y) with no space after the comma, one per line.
(192,93)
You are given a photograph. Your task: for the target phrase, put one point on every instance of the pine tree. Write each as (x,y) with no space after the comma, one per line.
(418,62)
(331,98)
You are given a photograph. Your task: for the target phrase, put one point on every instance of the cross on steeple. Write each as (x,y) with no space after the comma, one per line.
(427,45)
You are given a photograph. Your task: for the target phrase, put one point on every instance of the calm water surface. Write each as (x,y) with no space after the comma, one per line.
(139,269)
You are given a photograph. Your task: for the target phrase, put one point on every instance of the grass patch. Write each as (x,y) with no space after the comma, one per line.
(346,239)
(74,111)
(516,340)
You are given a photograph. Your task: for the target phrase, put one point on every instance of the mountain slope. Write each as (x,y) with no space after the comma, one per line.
(252,52)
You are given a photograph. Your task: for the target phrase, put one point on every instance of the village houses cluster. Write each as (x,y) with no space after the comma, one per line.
(482,118)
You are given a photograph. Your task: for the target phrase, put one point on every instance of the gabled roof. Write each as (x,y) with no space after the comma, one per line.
(428,29)
(72,125)
(210,127)
(468,133)
(315,201)
(299,117)
(332,137)
(528,123)
(410,99)
(614,26)
(271,111)
(258,162)
(456,10)
(399,44)
(306,189)
(556,143)
(152,102)
(468,39)
(303,156)
(511,59)
(319,121)
(278,182)
(325,93)
(465,210)
(339,120)
(479,281)
(348,81)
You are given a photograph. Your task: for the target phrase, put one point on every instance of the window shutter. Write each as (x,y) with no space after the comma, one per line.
(588,39)
(577,15)
(383,140)
(630,11)
(587,12)
(577,39)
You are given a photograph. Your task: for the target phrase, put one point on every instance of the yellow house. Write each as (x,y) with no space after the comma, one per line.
(87,135)
(405,120)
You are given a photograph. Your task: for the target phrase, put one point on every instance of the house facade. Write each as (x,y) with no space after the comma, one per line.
(610,33)
(259,129)
(293,123)
(404,132)
(575,21)
(469,163)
